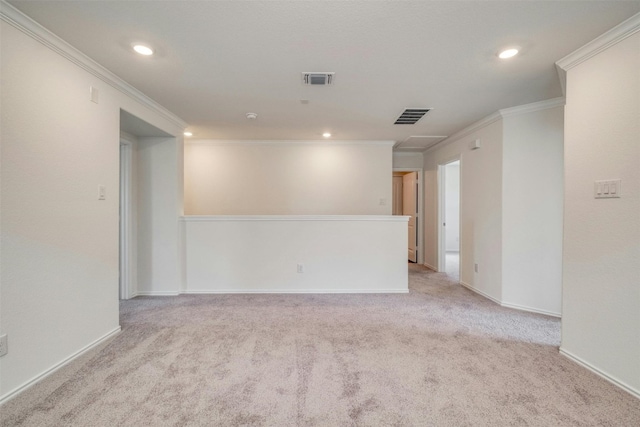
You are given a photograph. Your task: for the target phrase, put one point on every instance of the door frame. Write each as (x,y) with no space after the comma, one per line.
(442,241)
(126,253)
(420,214)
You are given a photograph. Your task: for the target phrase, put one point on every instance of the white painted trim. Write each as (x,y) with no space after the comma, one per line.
(509,305)
(22,22)
(284,142)
(479,292)
(624,386)
(531,309)
(498,115)
(615,35)
(533,107)
(157,294)
(295,291)
(466,131)
(16,391)
(430,267)
(208,218)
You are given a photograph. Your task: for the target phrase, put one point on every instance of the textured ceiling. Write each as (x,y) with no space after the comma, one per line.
(216,61)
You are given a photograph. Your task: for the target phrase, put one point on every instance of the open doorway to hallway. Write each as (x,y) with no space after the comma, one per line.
(407,201)
(450,219)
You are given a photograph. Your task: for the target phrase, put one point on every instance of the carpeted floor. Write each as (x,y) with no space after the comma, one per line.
(439,356)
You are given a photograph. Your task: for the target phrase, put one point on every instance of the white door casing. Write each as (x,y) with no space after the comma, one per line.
(409,208)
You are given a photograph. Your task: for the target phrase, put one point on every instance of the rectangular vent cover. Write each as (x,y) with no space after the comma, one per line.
(317,78)
(410,116)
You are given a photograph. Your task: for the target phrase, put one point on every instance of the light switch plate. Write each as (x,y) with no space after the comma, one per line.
(608,189)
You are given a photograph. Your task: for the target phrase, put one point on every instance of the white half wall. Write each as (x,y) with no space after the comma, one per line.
(343,254)
(59,243)
(288,178)
(601,267)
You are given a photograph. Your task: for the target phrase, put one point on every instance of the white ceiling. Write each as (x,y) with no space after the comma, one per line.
(217,60)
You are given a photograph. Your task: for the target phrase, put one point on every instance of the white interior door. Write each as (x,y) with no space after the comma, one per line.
(409,207)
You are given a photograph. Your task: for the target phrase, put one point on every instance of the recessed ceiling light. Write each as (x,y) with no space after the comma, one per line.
(508,53)
(143,50)
(326,135)
(188,134)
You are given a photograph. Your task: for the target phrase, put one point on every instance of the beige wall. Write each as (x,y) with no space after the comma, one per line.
(480,207)
(601,268)
(510,206)
(59,266)
(532,193)
(287,178)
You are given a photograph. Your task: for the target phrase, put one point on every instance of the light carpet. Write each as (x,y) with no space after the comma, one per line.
(438,356)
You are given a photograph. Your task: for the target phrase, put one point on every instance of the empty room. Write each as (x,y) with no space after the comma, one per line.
(319,213)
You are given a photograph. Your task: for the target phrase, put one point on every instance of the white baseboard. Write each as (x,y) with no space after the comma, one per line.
(510,305)
(531,309)
(13,393)
(157,293)
(296,291)
(430,267)
(479,292)
(632,391)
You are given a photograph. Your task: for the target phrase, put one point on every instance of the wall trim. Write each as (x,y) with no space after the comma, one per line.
(499,115)
(157,294)
(22,22)
(16,391)
(594,47)
(533,107)
(510,305)
(430,267)
(285,142)
(615,35)
(466,131)
(621,384)
(531,309)
(211,218)
(296,291)
(479,292)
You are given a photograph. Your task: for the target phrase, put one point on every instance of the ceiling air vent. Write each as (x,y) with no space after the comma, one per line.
(410,116)
(317,78)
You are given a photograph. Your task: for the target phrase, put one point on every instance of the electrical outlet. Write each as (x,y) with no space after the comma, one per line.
(300,268)
(102,192)
(4,345)
(475,267)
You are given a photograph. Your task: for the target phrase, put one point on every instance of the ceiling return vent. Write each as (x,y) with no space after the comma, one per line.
(317,78)
(410,116)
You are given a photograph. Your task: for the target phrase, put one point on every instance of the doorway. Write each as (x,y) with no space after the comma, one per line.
(449,236)
(407,201)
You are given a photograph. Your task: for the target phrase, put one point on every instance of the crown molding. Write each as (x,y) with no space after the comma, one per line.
(28,26)
(532,107)
(466,131)
(284,142)
(615,35)
(499,115)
